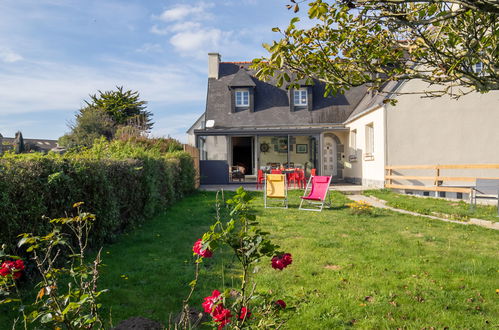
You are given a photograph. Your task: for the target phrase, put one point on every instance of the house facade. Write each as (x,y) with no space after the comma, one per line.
(256,125)
(31,145)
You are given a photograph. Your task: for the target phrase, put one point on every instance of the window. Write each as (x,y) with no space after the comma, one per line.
(300,97)
(478,67)
(369,142)
(353,146)
(353,139)
(242,98)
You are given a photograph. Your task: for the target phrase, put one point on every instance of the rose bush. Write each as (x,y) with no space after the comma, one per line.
(15,268)
(56,306)
(199,250)
(236,227)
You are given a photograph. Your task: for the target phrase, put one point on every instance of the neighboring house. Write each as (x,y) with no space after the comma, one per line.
(31,145)
(254,124)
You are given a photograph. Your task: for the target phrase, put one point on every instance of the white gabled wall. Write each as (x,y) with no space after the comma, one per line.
(369,172)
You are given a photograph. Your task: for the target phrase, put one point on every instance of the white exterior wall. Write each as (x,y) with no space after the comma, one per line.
(370,173)
(443,130)
(191,139)
(424,131)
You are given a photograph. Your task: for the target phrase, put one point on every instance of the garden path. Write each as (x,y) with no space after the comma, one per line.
(376,202)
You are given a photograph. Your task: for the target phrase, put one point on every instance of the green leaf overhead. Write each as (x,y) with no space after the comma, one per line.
(451,45)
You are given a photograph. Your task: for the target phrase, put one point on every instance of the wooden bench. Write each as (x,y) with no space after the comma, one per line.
(485,188)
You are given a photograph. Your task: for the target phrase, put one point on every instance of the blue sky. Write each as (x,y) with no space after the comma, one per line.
(54,53)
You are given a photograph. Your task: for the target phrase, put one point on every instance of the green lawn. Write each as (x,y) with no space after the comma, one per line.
(457,210)
(386,271)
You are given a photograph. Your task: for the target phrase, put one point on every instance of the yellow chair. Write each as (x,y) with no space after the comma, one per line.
(276,187)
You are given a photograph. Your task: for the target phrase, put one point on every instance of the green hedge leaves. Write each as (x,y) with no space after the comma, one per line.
(123,183)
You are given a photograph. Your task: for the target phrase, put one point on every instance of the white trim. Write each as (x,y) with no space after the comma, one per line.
(244,94)
(369,136)
(363,113)
(300,93)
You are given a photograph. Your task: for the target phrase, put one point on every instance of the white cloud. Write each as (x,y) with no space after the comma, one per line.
(181,11)
(190,32)
(9,56)
(159,31)
(185,26)
(200,41)
(150,48)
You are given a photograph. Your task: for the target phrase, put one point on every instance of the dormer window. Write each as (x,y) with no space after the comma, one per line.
(242,98)
(300,97)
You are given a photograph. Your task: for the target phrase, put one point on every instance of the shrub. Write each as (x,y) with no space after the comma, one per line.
(57,305)
(122,183)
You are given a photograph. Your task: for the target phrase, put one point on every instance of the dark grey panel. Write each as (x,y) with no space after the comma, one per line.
(214,171)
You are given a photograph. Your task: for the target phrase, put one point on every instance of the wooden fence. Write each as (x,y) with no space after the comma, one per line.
(392,175)
(194,152)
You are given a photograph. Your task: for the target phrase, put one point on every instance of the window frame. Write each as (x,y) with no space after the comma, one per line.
(369,150)
(353,139)
(242,92)
(299,92)
(478,68)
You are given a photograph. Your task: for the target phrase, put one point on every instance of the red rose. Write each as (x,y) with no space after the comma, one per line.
(198,249)
(19,264)
(244,314)
(4,269)
(286,259)
(12,267)
(221,316)
(210,301)
(282,261)
(281,303)
(277,263)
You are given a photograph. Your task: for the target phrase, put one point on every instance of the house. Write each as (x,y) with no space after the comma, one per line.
(30,145)
(254,124)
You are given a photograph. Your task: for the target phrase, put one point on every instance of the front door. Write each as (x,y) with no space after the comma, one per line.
(329,157)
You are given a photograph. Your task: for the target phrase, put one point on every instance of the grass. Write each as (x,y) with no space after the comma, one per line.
(383,271)
(457,210)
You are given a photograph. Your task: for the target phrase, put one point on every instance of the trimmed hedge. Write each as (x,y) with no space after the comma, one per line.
(124,185)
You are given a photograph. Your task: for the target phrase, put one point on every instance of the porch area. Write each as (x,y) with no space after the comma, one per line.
(244,158)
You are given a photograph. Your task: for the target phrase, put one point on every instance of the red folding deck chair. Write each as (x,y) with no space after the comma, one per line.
(319,188)
(260,179)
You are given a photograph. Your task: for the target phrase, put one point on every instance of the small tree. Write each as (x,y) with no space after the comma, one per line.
(106,114)
(91,123)
(124,107)
(19,146)
(451,44)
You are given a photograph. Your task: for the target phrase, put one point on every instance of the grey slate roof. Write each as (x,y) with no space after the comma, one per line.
(36,144)
(242,79)
(272,103)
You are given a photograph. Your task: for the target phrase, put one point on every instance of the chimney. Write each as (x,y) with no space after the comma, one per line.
(213,64)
